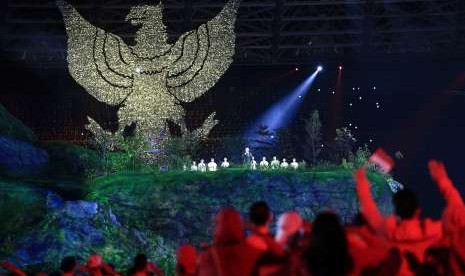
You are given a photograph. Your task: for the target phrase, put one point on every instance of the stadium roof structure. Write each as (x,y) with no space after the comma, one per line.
(269,32)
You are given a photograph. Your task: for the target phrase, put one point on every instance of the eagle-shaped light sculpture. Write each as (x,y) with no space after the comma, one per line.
(150,81)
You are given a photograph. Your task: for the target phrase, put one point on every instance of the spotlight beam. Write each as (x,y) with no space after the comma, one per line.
(281,113)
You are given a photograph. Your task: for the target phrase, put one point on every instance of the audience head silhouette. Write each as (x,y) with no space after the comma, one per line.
(68,264)
(259,213)
(406,204)
(328,253)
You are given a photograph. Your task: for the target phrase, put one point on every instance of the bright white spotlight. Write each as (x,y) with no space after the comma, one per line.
(319,68)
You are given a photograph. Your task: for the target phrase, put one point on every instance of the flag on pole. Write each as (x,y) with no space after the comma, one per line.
(382,160)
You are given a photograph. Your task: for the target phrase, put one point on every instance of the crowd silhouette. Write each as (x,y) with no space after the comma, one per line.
(401,243)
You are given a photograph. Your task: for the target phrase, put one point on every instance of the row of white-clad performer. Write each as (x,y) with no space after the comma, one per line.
(248,161)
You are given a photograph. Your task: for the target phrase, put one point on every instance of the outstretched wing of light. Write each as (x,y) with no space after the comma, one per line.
(99,61)
(202,56)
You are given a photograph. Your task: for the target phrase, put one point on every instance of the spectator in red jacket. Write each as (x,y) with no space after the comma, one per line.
(260,218)
(97,267)
(405,229)
(453,217)
(229,255)
(186,264)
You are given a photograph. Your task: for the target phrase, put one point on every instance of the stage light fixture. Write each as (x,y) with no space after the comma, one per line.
(340,67)
(319,68)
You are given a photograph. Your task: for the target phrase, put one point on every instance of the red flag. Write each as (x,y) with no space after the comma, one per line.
(381,159)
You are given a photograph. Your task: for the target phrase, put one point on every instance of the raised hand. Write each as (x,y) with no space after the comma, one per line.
(360,174)
(437,170)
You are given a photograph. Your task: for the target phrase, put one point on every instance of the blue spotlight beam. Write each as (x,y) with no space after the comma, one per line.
(283,112)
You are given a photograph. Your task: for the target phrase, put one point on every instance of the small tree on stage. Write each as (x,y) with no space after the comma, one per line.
(344,144)
(312,143)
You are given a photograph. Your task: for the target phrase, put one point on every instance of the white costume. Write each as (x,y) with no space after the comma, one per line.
(225,163)
(194,167)
(284,164)
(274,163)
(294,164)
(264,164)
(253,164)
(202,167)
(212,165)
(247,157)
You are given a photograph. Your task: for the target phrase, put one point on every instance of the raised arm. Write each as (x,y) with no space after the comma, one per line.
(453,216)
(446,187)
(12,269)
(367,203)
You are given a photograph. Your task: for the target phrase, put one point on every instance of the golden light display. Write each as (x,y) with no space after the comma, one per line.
(149,81)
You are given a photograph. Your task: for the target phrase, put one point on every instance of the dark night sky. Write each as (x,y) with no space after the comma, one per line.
(418,115)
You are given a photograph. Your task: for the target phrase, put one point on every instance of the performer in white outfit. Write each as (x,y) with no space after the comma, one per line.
(247,157)
(194,167)
(284,164)
(225,163)
(202,167)
(264,164)
(253,164)
(212,165)
(294,164)
(274,163)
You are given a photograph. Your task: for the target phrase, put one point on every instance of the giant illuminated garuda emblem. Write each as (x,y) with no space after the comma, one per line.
(149,81)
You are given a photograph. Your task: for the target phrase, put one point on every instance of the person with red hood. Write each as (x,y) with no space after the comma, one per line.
(229,255)
(97,267)
(186,264)
(94,265)
(405,230)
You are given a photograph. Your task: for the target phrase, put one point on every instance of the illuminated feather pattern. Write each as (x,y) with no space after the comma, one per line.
(150,81)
